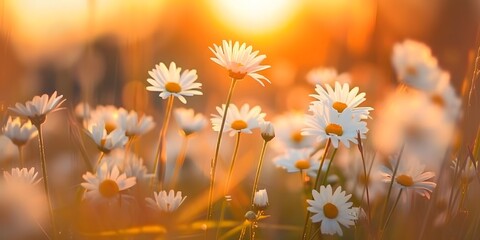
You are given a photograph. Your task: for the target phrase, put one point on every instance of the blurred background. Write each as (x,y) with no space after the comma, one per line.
(100,52)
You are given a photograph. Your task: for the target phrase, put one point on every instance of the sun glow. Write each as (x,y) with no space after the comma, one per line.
(255,16)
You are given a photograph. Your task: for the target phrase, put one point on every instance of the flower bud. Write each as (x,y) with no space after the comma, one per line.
(260,200)
(251,216)
(267,130)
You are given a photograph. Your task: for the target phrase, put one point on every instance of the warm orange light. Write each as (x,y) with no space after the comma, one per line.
(255,16)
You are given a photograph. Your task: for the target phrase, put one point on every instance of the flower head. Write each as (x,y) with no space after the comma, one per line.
(288,130)
(327,123)
(239,60)
(260,200)
(242,120)
(332,209)
(106,185)
(169,82)
(19,133)
(107,141)
(164,202)
(38,108)
(22,176)
(267,131)
(296,160)
(411,175)
(415,65)
(341,98)
(188,121)
(132,125)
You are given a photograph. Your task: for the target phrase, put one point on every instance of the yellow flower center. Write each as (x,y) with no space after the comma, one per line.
(438,100)
(173,87)
(339,106)
(235,71)
(302,164)
(297,136)
(333,128)
(330,211)
(404,180)
(239,125)
(108,188)
(110,126)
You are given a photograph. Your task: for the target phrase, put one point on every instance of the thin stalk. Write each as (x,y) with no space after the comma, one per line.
(20,156)
(227,184)
(259,169)
(99,160)
(45,178)
(179,161)
(217,150)
(391,212)
(306,227)
(242,233)
(391,185)
(158,165)
(324,181)
(366,178)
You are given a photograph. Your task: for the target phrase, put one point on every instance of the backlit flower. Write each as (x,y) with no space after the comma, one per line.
(239,60)
(164,202)
(106,185)
(327,123)
(22,176)
(19,133)
(188,121)
(169,82)
(107,141)
(242,120)
(132,125)
(341,98)
(296,160)
(267,131)
(260,200)
(38,108)
(411,175)
(332,209)
(288,130)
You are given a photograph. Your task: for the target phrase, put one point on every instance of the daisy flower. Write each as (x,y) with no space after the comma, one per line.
(108,114)
(19,133)
(165,203)
(296,160)
(134,167)
(169,82)
(332,209)
(288,128)
(341,98)
(239,60)
(260,200)
(415,65)
(324,76)
(132,125)
(326,123)
(38,108)
(22,176)
(411,175)
(107,141)
(445,97)
(267,131)
(106,185)
(242,120)
(188,121)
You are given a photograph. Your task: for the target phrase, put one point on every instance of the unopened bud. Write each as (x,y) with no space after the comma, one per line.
(250,216)
(260,200)
(267,130)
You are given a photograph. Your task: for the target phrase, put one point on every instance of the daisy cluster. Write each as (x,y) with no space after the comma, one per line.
(342,179)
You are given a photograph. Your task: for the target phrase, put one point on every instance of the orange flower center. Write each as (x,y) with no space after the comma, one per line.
(330,211)
(404,180)
(236,72)
(438,100)
(333,128)
(297,136)
(110,126)
(302,164)
(173,87)
(108,188)
(239,125)
(339,106)
(411,71)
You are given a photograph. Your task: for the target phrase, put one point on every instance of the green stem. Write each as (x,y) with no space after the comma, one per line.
(391,213)
(160,156)
(45,179)
(217,150)
(259,169)
(325,176)
(306,227)
(179,161)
